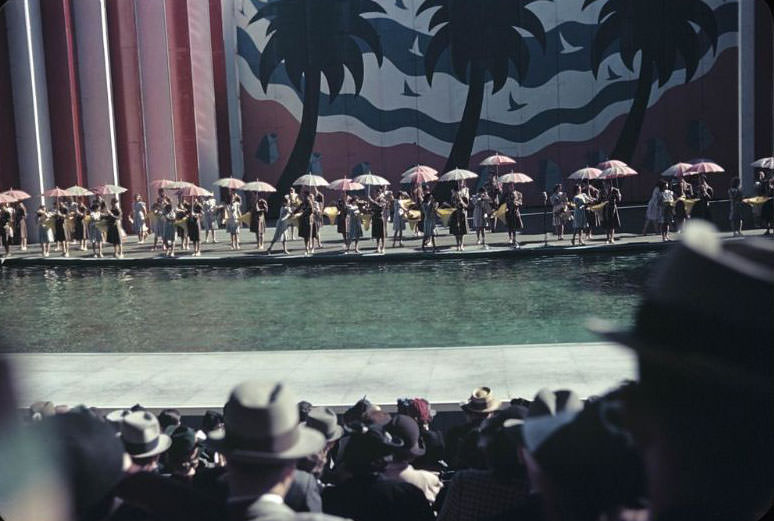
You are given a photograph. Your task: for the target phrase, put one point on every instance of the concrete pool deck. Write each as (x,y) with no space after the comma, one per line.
(194,382)
(220,254)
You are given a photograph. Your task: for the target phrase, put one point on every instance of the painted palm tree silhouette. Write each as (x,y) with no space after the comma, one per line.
(481,36)
(315,38)
(659,31)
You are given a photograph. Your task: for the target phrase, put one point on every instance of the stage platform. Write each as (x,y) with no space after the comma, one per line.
(194,382)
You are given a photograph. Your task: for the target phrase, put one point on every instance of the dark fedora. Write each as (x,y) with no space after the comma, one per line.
(261,426)
(324,420)
(406,429)
(481,401)
(708,311)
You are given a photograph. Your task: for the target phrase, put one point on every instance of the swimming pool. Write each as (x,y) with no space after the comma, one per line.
(414,304)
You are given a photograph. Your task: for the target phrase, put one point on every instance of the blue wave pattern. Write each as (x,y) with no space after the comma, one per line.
(544,67)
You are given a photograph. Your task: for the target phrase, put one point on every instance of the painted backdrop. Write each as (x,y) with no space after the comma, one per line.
(344,86)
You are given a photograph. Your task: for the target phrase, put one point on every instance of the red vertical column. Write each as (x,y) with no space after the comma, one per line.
(63,100)
(127,99)
(220,88)
(181,88)
(9,164)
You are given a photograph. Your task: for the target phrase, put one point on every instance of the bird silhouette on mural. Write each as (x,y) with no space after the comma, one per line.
(514,105)
(566,47)
(612,75)
(407,90)
(415,47)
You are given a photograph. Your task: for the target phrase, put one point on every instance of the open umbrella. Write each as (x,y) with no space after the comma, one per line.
(79,191)
(230,183)
(705,167)
(194,191)
(310,180)
(458,174)
(617,172)
(764,162)
(169,183)
(605,165)
(676,170)
(56,192)
(345,185)
(6,199)
(258,186)
(370,179)
(18,195)
(515,177)
(419,174)
(498,160)
(108,189)
(586,174)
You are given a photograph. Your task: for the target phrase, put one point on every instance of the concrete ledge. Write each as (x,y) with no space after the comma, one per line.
(194,382)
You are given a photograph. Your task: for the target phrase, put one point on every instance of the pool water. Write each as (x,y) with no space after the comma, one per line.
(419,304)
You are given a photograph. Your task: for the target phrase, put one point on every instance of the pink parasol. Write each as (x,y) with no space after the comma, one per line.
(515,177)
(586,173)
(6,199)
(676,170)
(705,167)
(108,189)
(458,174)
(605,165)
(498,160)
(57,192)
(617,172)
(345,185)
(766,163)
(230,183)
(419,174)
(79,191)
(18,195)
(258,186)
(194,191)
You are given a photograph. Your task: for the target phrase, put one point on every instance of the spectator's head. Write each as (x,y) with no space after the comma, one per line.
(323,420)
(211,421)
(369,450)
(303,410)
(365,412)
(703,413)
(418,408)
(404,429)
(143,440)
(169,418)
(500,440)
(92,458)
(263,438)
(480,405)
(182,458)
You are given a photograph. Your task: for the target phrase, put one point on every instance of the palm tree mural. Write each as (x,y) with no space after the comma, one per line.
(481,36)
(314,38)
(659,31)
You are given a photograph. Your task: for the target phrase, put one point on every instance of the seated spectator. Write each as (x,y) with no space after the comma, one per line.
(364,493)
(169,417)
(702,413)
(182,458)
(476,494)
(143,440)
(419,409)
(462,441)
(405,429)
(303,410)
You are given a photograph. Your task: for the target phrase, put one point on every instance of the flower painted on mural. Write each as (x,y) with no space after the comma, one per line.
(482,37)
(658,31)
(313,39)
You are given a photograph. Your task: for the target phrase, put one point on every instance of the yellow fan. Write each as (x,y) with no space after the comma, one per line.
(331,212)
(500,213)
(445,214)
(366,220)
(181,223)
(246,217)
(413,217)
(753,201)
(598,207)
(689,204)
(405,204)
(49,222)
(294,219)
(102,226)
(69,224)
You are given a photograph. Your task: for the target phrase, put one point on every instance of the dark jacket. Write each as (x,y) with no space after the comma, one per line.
(375,498)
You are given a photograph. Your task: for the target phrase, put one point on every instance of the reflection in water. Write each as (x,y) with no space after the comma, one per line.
(442,303)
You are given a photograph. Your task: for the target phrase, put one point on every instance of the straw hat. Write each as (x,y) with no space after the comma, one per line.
(481,401)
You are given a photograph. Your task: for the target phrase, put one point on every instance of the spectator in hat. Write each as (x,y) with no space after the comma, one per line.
(405,429)
(303,410)
(169,418)
(262,442)
(182,458)
(478,494)
(419,409)
(462,441)
(702,414)
(92,460)
(143,440)
(116,418)
(365,494)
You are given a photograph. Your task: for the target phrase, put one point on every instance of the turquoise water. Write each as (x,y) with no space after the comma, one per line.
(422,304)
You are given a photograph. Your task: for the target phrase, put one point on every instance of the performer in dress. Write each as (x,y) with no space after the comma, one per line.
(6,227)
(354,226)
(45,234)
(398,219)
(258,221)
(20,224)
(194,225)
(666,204)
(60,234)
(767,211)
(295,203)
(210,217)
(95,234)
(704,193)
(513,217)
(170,232)
(139,218)
(495,192)
(592,196)
(735,207)
(458,222)
(482,209)
(429,208)
(378,223)
(560,211)
(579,200)
(652,214)
(307,223)
(280,231)
(79,230)
(341,219)
(114,233)
(319,202)
(233,222)
(610,218)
